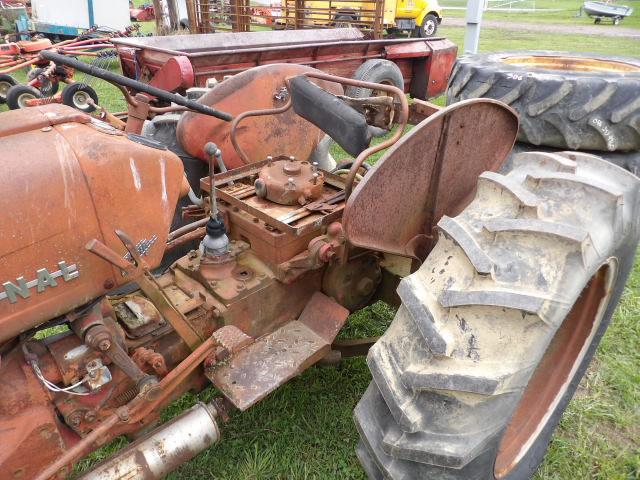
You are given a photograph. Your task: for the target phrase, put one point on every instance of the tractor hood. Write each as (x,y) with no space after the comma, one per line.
(68,179)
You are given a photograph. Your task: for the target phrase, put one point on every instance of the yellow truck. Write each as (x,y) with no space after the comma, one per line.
(418,17)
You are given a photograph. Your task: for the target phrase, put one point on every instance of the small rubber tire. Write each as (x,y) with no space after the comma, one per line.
(532,269)
(18,94)
(6,82)
(76,94)
(47,88)
(571,109)
(375,70)
(429,26)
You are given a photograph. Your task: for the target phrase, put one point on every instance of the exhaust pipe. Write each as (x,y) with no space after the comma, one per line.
(162,450)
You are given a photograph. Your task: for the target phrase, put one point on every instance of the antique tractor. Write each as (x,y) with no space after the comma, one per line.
(504,282)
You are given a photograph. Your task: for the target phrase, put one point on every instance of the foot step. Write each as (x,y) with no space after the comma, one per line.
(258,369)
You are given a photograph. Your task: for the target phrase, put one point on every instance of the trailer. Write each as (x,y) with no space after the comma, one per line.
(600,10)
(179,62)
(76,16)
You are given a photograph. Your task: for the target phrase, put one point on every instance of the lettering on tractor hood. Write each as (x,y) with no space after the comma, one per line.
(44,279)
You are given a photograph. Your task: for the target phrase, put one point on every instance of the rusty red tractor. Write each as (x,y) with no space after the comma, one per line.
(503,282)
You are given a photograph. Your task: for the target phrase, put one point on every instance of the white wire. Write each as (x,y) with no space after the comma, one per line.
(53,387)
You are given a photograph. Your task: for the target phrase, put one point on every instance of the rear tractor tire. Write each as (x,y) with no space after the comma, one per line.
(499,324)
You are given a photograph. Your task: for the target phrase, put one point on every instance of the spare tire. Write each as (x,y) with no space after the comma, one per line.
(500,322)
(565,100)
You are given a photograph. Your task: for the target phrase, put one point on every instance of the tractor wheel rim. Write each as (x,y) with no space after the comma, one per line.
(22,99)
(4,88)
(80,100)
(570,64)
(556,370)
(430,27)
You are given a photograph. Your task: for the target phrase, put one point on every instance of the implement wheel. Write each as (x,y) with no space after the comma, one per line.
(77,95)
(18,95)
(6,82)
(499,324)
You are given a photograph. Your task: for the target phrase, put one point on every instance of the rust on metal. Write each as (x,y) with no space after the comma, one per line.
(259,88)
(338,52)
(135,410)
(426,174)
(551,378)
(91,183)
(257,370)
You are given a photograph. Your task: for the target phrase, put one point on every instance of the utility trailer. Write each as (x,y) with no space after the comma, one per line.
(176,63)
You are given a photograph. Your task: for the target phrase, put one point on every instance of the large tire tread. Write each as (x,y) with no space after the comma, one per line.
(559,109)
(477,317)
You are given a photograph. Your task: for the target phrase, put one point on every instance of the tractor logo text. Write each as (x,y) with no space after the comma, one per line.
(11,290)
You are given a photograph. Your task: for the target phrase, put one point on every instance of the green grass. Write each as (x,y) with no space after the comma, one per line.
(305,429)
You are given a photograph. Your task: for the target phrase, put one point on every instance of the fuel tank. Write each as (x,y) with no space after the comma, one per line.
(66,179)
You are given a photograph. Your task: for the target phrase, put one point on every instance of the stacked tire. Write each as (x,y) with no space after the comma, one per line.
(565,100)
(499,324)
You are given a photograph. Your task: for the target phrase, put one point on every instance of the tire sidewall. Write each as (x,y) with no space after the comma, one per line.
(376,71)
(70,91)
(9,80)
(13,98)
(564,109)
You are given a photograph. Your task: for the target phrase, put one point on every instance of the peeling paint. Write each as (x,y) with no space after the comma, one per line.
(135,174)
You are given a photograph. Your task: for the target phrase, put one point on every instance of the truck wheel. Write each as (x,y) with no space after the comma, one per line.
(376,71)
(499,324)
(429,26)
(344,21)
(565,100)
(18,95)
(6,82)
(76,95)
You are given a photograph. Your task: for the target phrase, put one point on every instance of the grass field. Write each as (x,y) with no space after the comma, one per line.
(305,430)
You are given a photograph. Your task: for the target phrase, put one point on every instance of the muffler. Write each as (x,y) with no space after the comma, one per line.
(162,450)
